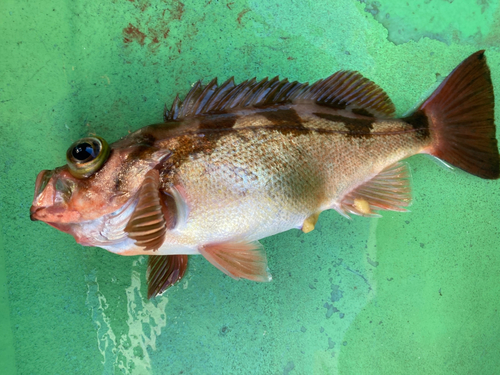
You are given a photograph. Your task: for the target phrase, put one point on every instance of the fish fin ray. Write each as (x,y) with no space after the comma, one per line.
(460,116)
(238,259)
(351,91)
(389,190)
(164,271)
(147,224)
(175,208)
(346,90)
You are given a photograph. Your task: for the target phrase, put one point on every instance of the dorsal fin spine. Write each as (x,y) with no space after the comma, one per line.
(255,93)
(204,96)
(276,87)
(187,104)
(263,89)
(174,111)
(343,88)
(227,91)
(217,95)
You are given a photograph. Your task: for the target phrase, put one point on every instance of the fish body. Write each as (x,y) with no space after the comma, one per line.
(233,164)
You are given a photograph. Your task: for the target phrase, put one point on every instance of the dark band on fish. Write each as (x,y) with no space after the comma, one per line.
(218,122)
(189,146)
(118,182)
(356,127)
(146,139)
(141,152)
(333,104)
(362,112)
(420,122)
(287,121)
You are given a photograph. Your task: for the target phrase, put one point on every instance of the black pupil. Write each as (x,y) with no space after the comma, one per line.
(83,151)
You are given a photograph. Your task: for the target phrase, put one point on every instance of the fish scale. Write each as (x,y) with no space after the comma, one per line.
(297,176)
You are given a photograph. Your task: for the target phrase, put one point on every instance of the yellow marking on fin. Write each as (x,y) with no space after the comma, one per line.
(362,206)
(310,222)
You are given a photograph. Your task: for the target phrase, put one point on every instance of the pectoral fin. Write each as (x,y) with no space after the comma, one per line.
(164,271)
(147,225)
(238,259)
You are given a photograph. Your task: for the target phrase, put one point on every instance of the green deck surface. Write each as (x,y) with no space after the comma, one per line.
(410,293)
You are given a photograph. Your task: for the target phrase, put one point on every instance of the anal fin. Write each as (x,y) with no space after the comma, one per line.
(164,271)
(238,259)
(389,190)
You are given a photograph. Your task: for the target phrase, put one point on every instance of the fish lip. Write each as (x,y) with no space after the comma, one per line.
(47,214)
(33,211)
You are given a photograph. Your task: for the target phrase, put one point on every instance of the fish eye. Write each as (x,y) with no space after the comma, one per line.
(86,156)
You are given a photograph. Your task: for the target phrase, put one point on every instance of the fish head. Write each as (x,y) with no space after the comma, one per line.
(97,180)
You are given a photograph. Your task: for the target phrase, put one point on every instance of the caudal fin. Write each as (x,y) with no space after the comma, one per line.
(460,118)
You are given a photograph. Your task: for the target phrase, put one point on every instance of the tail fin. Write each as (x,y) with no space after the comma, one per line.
(460,115)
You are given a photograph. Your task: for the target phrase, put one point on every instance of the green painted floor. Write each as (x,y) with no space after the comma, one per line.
(413,293)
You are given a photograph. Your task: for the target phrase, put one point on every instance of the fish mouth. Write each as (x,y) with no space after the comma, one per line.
(63,227)
(33,213)
(51,214)
(42,180)
(39,213)
(41,183)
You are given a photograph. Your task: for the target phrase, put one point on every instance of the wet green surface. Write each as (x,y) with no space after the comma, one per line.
(408,293)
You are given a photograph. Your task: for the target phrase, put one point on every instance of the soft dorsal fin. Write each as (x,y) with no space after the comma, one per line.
(164,271)
(389,190)
(238,259)
(147,224)
(343,90)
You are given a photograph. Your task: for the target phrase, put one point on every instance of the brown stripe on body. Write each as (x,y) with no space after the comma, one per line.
(218,122)
(361,112)
(337,104)
(356,127)
(142,151)
(287,121)
(210,130)
(419,121)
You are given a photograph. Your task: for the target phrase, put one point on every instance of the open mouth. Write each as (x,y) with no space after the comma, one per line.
(41,181)
(40,213)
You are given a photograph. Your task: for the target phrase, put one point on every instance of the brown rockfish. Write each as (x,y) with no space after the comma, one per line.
(232,164)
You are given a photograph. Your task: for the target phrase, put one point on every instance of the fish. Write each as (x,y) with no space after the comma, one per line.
(234,163)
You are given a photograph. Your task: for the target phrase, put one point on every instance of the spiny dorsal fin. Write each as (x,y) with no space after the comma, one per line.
(389,190)
(343,90)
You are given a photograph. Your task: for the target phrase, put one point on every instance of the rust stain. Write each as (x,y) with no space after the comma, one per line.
(132,33)
(229,5)
(241,14)
(176,13)
(143,5)
(291,58)
(151,30)
(153,46)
